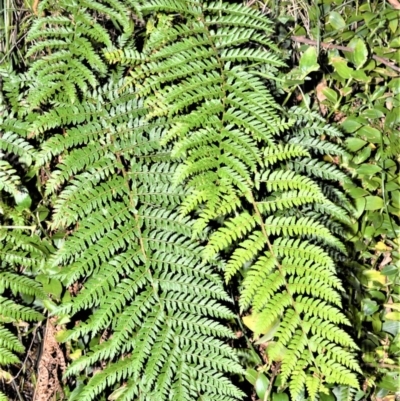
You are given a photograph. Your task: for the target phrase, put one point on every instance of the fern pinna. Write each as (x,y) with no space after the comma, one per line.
(257,166)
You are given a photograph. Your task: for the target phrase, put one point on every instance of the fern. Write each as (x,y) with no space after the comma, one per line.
(17,250)
(164,163)
(228,130)
(22,252)
(144,279)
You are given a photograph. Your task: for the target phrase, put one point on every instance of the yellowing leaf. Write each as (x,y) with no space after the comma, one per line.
(4,375)
(255,324)
(276,352)
(393,316)
(75,355)
(375,276)
(382,247)
(389,398)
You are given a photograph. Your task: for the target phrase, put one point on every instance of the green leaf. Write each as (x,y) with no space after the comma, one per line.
(393,316)
(355,144)
(336,20)
(359,204)
(378,93)
(251,376)
(391,327)
(372,114)
(308,61)
(42,212)
(280,397)
(360,53)
(395,43)
(368,169)
(363,155)
(369,306)
(393,118)
(330,94)
(370,134)
(261,386)
(326,397)
(390,382)
(23,200)
(360,75)
(373,203)
(351,124)
(390,270)
(357,192)
(341,67)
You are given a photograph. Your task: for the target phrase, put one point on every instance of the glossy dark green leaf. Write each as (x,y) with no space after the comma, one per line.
(369,307)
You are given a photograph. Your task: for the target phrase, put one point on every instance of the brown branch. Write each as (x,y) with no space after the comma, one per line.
(302,39)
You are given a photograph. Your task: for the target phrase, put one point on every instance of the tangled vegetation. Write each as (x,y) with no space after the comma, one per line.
(199,200)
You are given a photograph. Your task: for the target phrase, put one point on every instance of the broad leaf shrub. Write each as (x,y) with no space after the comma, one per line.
(169,167)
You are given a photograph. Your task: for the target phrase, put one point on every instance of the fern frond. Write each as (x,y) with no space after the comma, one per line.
(13,312)
(205,84)
(10,182)
(9,341)
(145,281)
(280,152)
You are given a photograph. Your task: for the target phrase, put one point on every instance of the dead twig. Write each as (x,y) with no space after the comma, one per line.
(302,39)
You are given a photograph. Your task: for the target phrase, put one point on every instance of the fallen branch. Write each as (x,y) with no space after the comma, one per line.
(302,39)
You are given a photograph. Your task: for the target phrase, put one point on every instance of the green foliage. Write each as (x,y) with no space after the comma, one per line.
(226,128)
(22,252)
(359,88)
(144,279)
(165,159)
